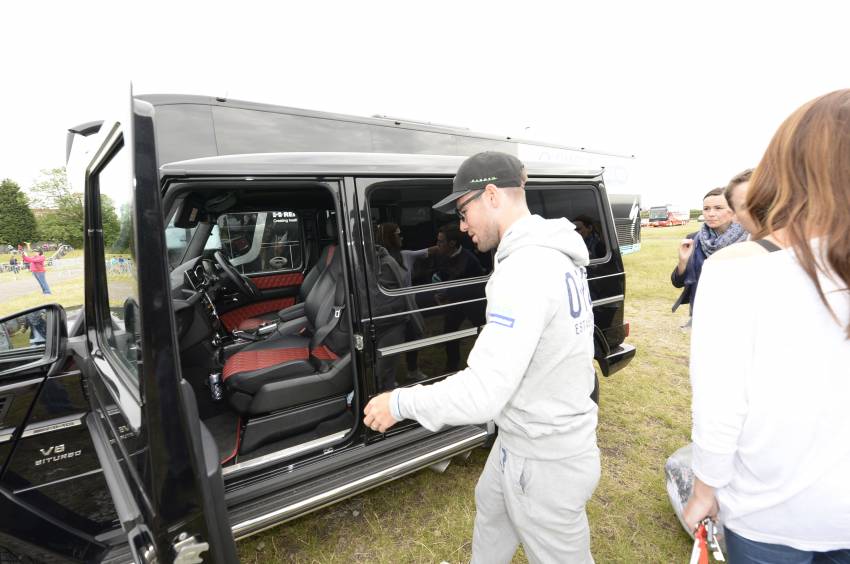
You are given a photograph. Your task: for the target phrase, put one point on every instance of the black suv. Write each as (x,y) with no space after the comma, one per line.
(240,310)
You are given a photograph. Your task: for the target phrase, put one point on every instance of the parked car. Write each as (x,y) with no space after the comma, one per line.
(218,390)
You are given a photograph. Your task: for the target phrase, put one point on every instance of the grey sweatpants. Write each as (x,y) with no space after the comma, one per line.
(539,503)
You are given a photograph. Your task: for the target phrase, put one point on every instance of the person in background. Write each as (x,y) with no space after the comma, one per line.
(736,194)
(37,268)
(718,231)
(770,351)
(13,264)
(388,235)
(587,230)
(455,262)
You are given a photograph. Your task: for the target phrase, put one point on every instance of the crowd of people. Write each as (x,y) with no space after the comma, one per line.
(766,278)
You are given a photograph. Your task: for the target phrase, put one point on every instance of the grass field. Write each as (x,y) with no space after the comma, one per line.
(644,417)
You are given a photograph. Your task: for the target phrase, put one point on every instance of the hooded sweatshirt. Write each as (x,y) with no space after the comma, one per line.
(531,369)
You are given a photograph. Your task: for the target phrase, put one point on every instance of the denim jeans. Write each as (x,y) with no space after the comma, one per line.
(42,281)
(744,551)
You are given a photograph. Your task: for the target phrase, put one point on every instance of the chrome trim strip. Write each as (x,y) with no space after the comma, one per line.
(270,519)
(53,425)
(24,384)
(428,341)
(44,485)
(7,434)
(419,310)
(286,453)
(611,300)
(589,279)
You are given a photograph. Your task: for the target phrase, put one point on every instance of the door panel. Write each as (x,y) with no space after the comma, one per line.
(426,289)
(144,427)
(49,504)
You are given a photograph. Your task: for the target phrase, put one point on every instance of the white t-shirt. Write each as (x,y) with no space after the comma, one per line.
(770,372)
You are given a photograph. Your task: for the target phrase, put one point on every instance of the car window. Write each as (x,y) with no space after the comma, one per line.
(177,240)
(427,245)
(579,204)
(119,330)
(259,242)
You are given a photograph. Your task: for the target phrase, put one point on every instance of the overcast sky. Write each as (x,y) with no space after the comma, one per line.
(693,90)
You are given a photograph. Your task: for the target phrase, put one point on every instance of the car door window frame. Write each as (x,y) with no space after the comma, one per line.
(104,355)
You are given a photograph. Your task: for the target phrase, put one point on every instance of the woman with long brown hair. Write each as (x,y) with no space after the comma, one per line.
(770,354)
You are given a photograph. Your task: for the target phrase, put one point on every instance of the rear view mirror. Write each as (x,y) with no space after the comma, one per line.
(189,213)
(32,335)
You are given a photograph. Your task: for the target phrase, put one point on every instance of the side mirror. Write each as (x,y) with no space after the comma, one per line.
(34,335)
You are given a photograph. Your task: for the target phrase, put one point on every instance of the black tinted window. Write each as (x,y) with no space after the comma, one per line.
(579,204)
(427,245)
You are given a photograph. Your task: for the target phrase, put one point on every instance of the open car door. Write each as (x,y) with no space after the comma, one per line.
(161,464)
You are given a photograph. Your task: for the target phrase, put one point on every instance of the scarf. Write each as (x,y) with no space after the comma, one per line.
(707,241)
(711,241)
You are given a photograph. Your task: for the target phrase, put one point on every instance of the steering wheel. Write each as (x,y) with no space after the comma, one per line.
(244,285)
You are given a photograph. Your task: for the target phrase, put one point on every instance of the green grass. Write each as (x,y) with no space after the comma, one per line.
(68,292)
(644,417)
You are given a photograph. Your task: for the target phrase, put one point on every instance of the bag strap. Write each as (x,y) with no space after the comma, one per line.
(768,246)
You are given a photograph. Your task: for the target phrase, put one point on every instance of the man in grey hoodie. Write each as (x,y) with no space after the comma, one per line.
(530,370)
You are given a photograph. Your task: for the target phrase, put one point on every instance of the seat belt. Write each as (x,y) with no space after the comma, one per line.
(320,335)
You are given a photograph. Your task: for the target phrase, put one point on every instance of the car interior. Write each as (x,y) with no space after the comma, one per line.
(268,355)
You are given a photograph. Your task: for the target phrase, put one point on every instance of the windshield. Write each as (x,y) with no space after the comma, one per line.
(177,240)
(658,213)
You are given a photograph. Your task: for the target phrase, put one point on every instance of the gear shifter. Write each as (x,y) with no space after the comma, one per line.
(240,334)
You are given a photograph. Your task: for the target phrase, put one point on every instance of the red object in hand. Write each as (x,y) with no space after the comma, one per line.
(701,538)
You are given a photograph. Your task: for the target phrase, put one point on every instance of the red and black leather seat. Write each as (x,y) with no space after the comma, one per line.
(296,310)
(286,371)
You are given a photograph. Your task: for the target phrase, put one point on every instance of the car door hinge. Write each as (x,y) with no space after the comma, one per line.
(187,550)
(358,342)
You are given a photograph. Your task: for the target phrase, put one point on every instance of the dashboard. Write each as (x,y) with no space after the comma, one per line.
(201,276)
(194,287)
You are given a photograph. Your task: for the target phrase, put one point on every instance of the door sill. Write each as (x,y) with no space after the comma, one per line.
(290,452)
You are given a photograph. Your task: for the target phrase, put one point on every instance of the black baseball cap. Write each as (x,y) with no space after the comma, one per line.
(479,170)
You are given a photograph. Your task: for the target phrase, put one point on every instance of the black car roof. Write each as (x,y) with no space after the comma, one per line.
(341,164)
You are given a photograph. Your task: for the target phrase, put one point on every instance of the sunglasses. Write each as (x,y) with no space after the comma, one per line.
(459,211)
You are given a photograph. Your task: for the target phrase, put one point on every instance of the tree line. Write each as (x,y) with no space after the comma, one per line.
(63,220)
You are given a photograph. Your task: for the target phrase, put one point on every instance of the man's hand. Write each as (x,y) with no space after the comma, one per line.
(377,413)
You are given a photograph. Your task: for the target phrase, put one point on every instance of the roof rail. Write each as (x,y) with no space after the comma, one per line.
(399,121)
